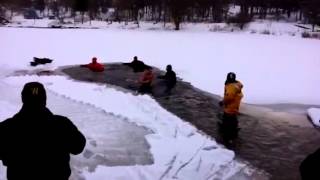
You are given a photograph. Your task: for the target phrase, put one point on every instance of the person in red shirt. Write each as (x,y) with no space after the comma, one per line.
(146,81)
(94,66)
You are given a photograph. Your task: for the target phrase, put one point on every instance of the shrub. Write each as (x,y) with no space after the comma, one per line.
(267,32)
(240,20)
(305,35)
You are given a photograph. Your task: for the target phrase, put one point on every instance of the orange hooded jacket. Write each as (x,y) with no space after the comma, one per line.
(147,77)
(232,97)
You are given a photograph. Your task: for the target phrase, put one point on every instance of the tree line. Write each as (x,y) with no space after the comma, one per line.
(175,11)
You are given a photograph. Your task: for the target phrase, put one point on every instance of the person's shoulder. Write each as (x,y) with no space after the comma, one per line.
(239,83)
(6,123)
(62,119)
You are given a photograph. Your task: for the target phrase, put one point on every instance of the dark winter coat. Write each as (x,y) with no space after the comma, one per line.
(137,66)
(170,78)
(309,168)
(36,144)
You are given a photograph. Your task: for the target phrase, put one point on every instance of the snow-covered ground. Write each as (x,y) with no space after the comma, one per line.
(269,27)
(178,149)
(314,114)
(273,69)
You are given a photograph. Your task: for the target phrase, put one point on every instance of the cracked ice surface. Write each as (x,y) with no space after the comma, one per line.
(179,151)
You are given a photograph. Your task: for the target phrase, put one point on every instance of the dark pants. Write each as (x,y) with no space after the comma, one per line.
(169,87)
(145,88)
(229,126)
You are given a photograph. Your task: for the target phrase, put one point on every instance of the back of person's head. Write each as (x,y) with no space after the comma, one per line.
(135,58)
(34,95)
(94,60)
(231,78)
(149,68)
(169,67)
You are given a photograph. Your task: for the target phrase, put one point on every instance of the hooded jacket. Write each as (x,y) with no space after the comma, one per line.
(36,144)
(232,97)
(94,66)
(146,78)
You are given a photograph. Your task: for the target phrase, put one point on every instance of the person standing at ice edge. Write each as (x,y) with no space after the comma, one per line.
(36,144)
(231,103)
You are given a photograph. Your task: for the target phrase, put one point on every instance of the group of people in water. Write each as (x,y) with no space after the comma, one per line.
(36,144)
(147,77)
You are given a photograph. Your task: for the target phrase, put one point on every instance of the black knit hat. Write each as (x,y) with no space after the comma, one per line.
(34,94)
(231,78)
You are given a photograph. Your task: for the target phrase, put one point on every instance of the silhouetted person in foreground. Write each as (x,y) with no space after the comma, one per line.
(309,168)
(36,144)
(136,65)
(94,65)
(170,79)
(231,103)
(145,81)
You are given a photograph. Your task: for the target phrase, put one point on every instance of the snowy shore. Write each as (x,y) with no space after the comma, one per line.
(273,70)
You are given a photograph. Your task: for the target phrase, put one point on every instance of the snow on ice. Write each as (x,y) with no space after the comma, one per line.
(178,149)
(314,114)
(273,69)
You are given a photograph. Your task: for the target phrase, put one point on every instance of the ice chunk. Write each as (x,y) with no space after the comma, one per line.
(314,114)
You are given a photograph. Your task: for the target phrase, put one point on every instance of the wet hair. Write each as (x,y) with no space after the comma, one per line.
(231,78)
(169,67)
(34,94)
(94,59)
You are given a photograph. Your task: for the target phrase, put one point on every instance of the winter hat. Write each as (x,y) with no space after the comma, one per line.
(34,94)
(94,59)
(169,67)
(231,78)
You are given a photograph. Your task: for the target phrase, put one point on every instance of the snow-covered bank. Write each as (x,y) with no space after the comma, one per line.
(179,151)
(259,26)
(314,114)
(273,69)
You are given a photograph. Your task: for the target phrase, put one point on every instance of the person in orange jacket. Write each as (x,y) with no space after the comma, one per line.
(94,66)
(146,80)
(231,103)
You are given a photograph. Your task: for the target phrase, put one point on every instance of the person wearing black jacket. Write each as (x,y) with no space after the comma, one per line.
(137,65)
(36,144)
(309,167)
(170,79)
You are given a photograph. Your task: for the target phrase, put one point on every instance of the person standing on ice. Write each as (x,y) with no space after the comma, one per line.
(170,79)
(36,144)
(231,103)
(145,81)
